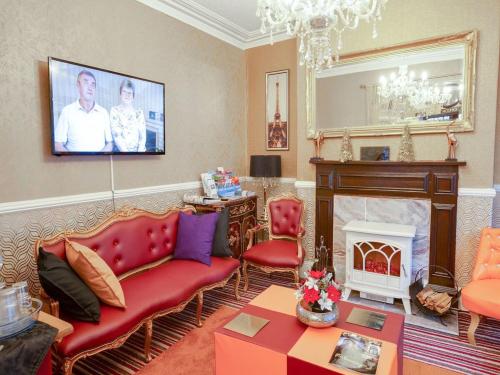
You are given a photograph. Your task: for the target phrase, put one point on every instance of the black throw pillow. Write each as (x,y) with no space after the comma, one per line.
(220,246)
(62,284)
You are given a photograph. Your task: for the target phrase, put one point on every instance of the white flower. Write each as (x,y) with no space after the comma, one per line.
(299,294)
(311,283)
(326,278)
(324,302)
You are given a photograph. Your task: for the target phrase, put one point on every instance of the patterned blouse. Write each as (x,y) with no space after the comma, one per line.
(128,128)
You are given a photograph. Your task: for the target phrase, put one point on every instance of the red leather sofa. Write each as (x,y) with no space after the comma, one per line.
(138,246)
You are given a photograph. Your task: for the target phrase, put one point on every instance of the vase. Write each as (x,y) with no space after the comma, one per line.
(317,319)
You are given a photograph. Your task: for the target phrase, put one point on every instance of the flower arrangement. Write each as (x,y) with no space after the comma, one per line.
(319,291)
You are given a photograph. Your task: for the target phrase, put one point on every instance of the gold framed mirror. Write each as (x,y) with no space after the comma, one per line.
(427,85)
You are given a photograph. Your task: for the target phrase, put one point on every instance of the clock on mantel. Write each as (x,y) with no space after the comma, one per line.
(433,180)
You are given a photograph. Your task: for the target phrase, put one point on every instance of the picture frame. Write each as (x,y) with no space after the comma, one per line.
(375,153)
(277,111)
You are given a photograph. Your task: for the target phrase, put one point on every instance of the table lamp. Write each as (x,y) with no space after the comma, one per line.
(266,167)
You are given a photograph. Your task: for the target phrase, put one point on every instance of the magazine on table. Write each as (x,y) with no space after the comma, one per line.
(357,353)
(246,324)
(367,318)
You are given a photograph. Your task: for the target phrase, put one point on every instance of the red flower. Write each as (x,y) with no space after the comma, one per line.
(333,293)
(317,274)
(311,295)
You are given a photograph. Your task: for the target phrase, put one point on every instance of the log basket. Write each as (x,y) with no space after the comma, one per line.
(420,283)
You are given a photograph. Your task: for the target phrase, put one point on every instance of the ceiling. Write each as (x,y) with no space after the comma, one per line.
(233,21)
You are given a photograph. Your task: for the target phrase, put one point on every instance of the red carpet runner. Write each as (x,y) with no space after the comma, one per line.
(420,344)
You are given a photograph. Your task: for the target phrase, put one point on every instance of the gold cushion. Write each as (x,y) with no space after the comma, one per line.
(94,271)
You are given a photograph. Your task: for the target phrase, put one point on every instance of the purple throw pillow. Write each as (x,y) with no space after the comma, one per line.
(195,237)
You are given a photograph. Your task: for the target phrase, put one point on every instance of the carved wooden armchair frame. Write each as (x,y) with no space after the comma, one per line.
(251,233)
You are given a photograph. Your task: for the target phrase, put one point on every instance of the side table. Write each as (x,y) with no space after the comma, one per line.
(29,351)
(63,329)
(242,216)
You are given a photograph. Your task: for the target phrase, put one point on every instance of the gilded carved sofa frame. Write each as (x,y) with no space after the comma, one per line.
(125,214)
(253,231)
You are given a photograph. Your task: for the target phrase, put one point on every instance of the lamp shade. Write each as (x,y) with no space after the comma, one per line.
(265,166)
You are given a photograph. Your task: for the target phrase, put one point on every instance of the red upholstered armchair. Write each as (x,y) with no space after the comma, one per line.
(482,295)
(283,251)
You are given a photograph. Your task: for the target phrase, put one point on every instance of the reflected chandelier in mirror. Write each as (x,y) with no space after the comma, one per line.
(427,85)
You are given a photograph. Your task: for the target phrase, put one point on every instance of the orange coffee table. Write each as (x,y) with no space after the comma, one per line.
(286,346)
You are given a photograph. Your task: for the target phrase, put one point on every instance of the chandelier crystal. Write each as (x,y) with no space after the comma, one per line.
(316,22)
(418,92)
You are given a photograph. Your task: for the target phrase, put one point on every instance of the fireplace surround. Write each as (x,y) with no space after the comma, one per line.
(436,181)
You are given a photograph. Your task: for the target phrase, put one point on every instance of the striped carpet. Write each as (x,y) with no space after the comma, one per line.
(420,344)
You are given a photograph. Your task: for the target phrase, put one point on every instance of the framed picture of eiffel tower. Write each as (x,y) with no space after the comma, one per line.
(277,110)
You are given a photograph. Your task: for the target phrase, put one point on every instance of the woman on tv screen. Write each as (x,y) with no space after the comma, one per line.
(128,125)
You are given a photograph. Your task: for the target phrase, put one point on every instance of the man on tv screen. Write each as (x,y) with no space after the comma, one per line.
(83,125)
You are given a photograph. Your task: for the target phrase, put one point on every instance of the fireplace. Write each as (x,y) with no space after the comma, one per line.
(379,259)
(433,181)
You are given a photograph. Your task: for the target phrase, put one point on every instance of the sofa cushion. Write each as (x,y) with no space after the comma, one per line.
(95,273)
(63,284)
(220,247)
(147,293)
(195,237)
(483,297)
(275,253)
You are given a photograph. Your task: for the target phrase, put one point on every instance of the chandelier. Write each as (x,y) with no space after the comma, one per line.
(315,22)
(418,92)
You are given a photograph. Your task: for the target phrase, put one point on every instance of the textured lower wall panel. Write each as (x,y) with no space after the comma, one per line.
(20,231)
(156,202)
(308,195)
(474,213)
(278,189)
(496,211)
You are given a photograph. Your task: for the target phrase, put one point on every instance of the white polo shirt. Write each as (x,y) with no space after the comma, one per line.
(80,130)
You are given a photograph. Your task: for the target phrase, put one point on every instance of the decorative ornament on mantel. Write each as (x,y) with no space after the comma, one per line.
(318,24)
(319,139)
(406,152)
(346,148)
(452,144)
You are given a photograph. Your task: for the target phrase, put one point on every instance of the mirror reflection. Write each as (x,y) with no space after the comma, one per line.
(420,86)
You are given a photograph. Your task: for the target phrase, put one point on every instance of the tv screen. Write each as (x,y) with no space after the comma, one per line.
(96,111)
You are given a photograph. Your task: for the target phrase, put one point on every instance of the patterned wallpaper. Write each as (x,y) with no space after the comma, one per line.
(496,211)
(19,232)
(473,214)
(308,195)
(204,81)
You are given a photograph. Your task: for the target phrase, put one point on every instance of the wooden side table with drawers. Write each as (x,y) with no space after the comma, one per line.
(242,216)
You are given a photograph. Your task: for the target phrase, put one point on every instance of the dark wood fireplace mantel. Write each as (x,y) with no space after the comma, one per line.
(433,180)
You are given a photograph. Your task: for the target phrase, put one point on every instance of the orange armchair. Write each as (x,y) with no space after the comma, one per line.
(283,251)
(482,295)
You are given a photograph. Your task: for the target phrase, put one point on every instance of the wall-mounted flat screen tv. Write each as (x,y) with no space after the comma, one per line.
(96,111)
